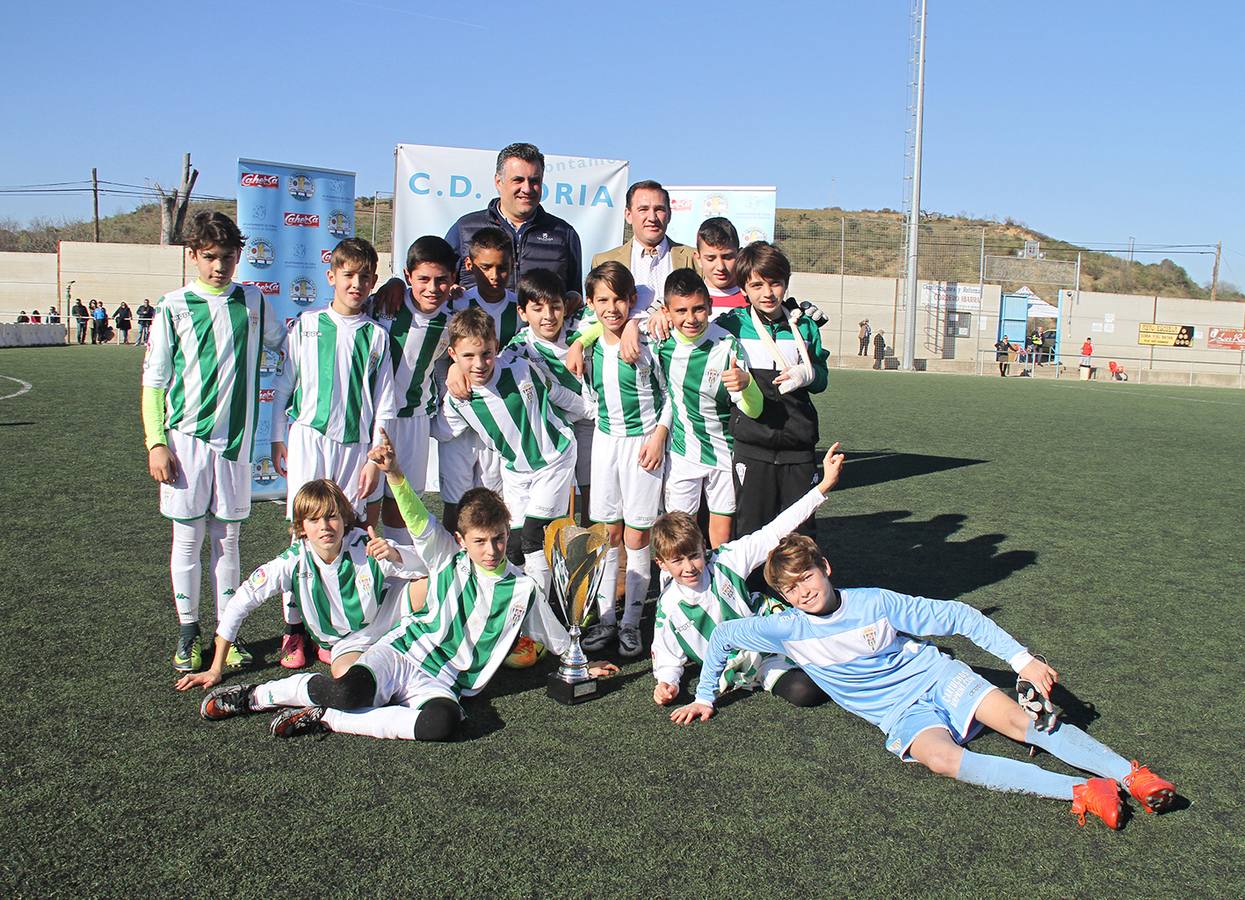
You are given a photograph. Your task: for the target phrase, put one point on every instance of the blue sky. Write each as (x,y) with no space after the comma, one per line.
(1093,122)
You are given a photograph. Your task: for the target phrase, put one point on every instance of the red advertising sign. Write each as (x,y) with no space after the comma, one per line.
(1225,338)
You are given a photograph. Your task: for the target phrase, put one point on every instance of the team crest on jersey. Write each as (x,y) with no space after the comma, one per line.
(712,377)
(373,361)
(870,635)
(516,614)
(528,390)
(365,582)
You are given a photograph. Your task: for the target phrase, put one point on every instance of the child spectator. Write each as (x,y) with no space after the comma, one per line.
(200,404)
(775,452)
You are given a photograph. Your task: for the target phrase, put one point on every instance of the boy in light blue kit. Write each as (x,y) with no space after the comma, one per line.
(854,643)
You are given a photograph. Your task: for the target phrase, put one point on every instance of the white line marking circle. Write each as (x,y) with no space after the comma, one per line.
(25,386)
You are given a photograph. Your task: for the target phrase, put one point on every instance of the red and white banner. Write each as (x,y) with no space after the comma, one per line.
(1225,338)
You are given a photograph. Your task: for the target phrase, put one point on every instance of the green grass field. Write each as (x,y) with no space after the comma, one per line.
(1099,523)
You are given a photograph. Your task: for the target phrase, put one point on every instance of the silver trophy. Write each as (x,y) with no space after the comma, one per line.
(577,560)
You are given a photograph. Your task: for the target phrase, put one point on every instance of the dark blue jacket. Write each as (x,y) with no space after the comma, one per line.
(544,242)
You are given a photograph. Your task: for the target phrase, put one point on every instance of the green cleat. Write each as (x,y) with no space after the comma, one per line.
(238,656)
(189,655)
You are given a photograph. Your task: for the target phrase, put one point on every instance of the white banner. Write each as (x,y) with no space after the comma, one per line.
(750,209)
(435,186)
(950,295)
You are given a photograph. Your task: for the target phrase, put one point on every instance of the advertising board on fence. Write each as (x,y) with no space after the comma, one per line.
(1225,338)
(950,296)
(1159,334)
(293,217)
(435,186)
(750,209)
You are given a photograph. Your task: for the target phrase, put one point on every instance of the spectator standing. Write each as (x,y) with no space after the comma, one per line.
(122,318)
(866,332)
(1003,354)
(145,313)
(541,239)
(81,315)
(879,349)
(99,333)
(1087,352)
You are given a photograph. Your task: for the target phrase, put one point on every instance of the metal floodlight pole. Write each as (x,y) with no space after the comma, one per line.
(914,213)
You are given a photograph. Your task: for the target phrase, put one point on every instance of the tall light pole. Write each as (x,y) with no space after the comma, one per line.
(914,213)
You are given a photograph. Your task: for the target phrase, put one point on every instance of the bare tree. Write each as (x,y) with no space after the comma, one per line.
(173,204)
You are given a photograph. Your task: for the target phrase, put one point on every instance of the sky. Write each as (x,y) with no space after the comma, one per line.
(1091,122)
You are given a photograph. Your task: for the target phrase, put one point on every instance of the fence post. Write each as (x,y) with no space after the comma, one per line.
(842,260)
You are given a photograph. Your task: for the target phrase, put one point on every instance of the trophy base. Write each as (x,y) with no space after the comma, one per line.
(568,693)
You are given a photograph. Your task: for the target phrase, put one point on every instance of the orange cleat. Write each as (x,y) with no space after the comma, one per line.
(1154,794)
(293,651)
(325,655)
(524,654)
(1100,796)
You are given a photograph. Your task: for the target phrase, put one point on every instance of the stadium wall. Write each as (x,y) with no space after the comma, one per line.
(27,280)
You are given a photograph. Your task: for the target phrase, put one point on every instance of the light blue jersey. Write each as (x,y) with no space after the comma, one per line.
(861,654)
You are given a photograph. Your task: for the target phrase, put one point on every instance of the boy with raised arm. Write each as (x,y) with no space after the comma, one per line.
(337,572)
(632,422)
(707,590)
(854,643)
(200,404)
(517,410)
(332,396)
(408,685)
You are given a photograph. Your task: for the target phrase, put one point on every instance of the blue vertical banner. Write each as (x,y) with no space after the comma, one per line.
(293,217)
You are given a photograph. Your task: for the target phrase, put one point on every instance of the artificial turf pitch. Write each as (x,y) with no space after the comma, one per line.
(1098,523)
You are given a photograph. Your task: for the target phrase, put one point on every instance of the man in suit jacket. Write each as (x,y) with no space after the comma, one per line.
(649,255)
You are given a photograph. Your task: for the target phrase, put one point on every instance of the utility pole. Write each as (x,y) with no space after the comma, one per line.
(95,195)
(914,214)
(375,207)
(1214,275)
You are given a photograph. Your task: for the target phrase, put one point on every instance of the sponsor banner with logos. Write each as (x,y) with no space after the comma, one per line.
(1225,338)
(293,217)
(750,209)
(950,296)
(1159,334)
(435,186)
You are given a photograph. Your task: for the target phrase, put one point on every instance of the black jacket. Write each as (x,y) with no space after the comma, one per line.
(546,242)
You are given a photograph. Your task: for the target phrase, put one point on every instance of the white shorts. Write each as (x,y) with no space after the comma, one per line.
(311,455)
(387,616)
(545,494)
(206,483)
(399,680)
(621,490)
(466,463)
(585,429)
(411,441)
(684,479)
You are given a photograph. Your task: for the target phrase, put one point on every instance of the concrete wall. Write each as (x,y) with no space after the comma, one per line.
(1111,320)
(31,335)
(27,280)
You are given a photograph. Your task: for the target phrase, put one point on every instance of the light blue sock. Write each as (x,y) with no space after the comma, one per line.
(1076,748)
(999,774)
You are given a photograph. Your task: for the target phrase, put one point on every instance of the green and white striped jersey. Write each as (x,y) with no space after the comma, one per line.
(629,398)
(700,405)
(687,616)
(417,341)
(205,351)
(472,617)
(336,598)
(505,312)
(336,378)
(549,354)
(521,413)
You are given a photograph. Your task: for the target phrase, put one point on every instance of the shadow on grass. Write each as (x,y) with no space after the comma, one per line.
(887,549)
(866,467)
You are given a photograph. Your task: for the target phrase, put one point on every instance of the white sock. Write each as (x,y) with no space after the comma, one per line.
(379,722)
(637,584)
(398,535)
(290,691)
(607,600)
(186,569)
(226,573)
(537,568)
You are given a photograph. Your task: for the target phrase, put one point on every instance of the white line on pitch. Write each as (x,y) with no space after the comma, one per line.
(25,386)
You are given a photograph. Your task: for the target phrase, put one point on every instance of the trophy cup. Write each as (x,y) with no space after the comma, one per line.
(577,561)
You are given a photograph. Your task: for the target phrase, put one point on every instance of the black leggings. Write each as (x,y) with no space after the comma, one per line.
(799,690)
(438,718)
